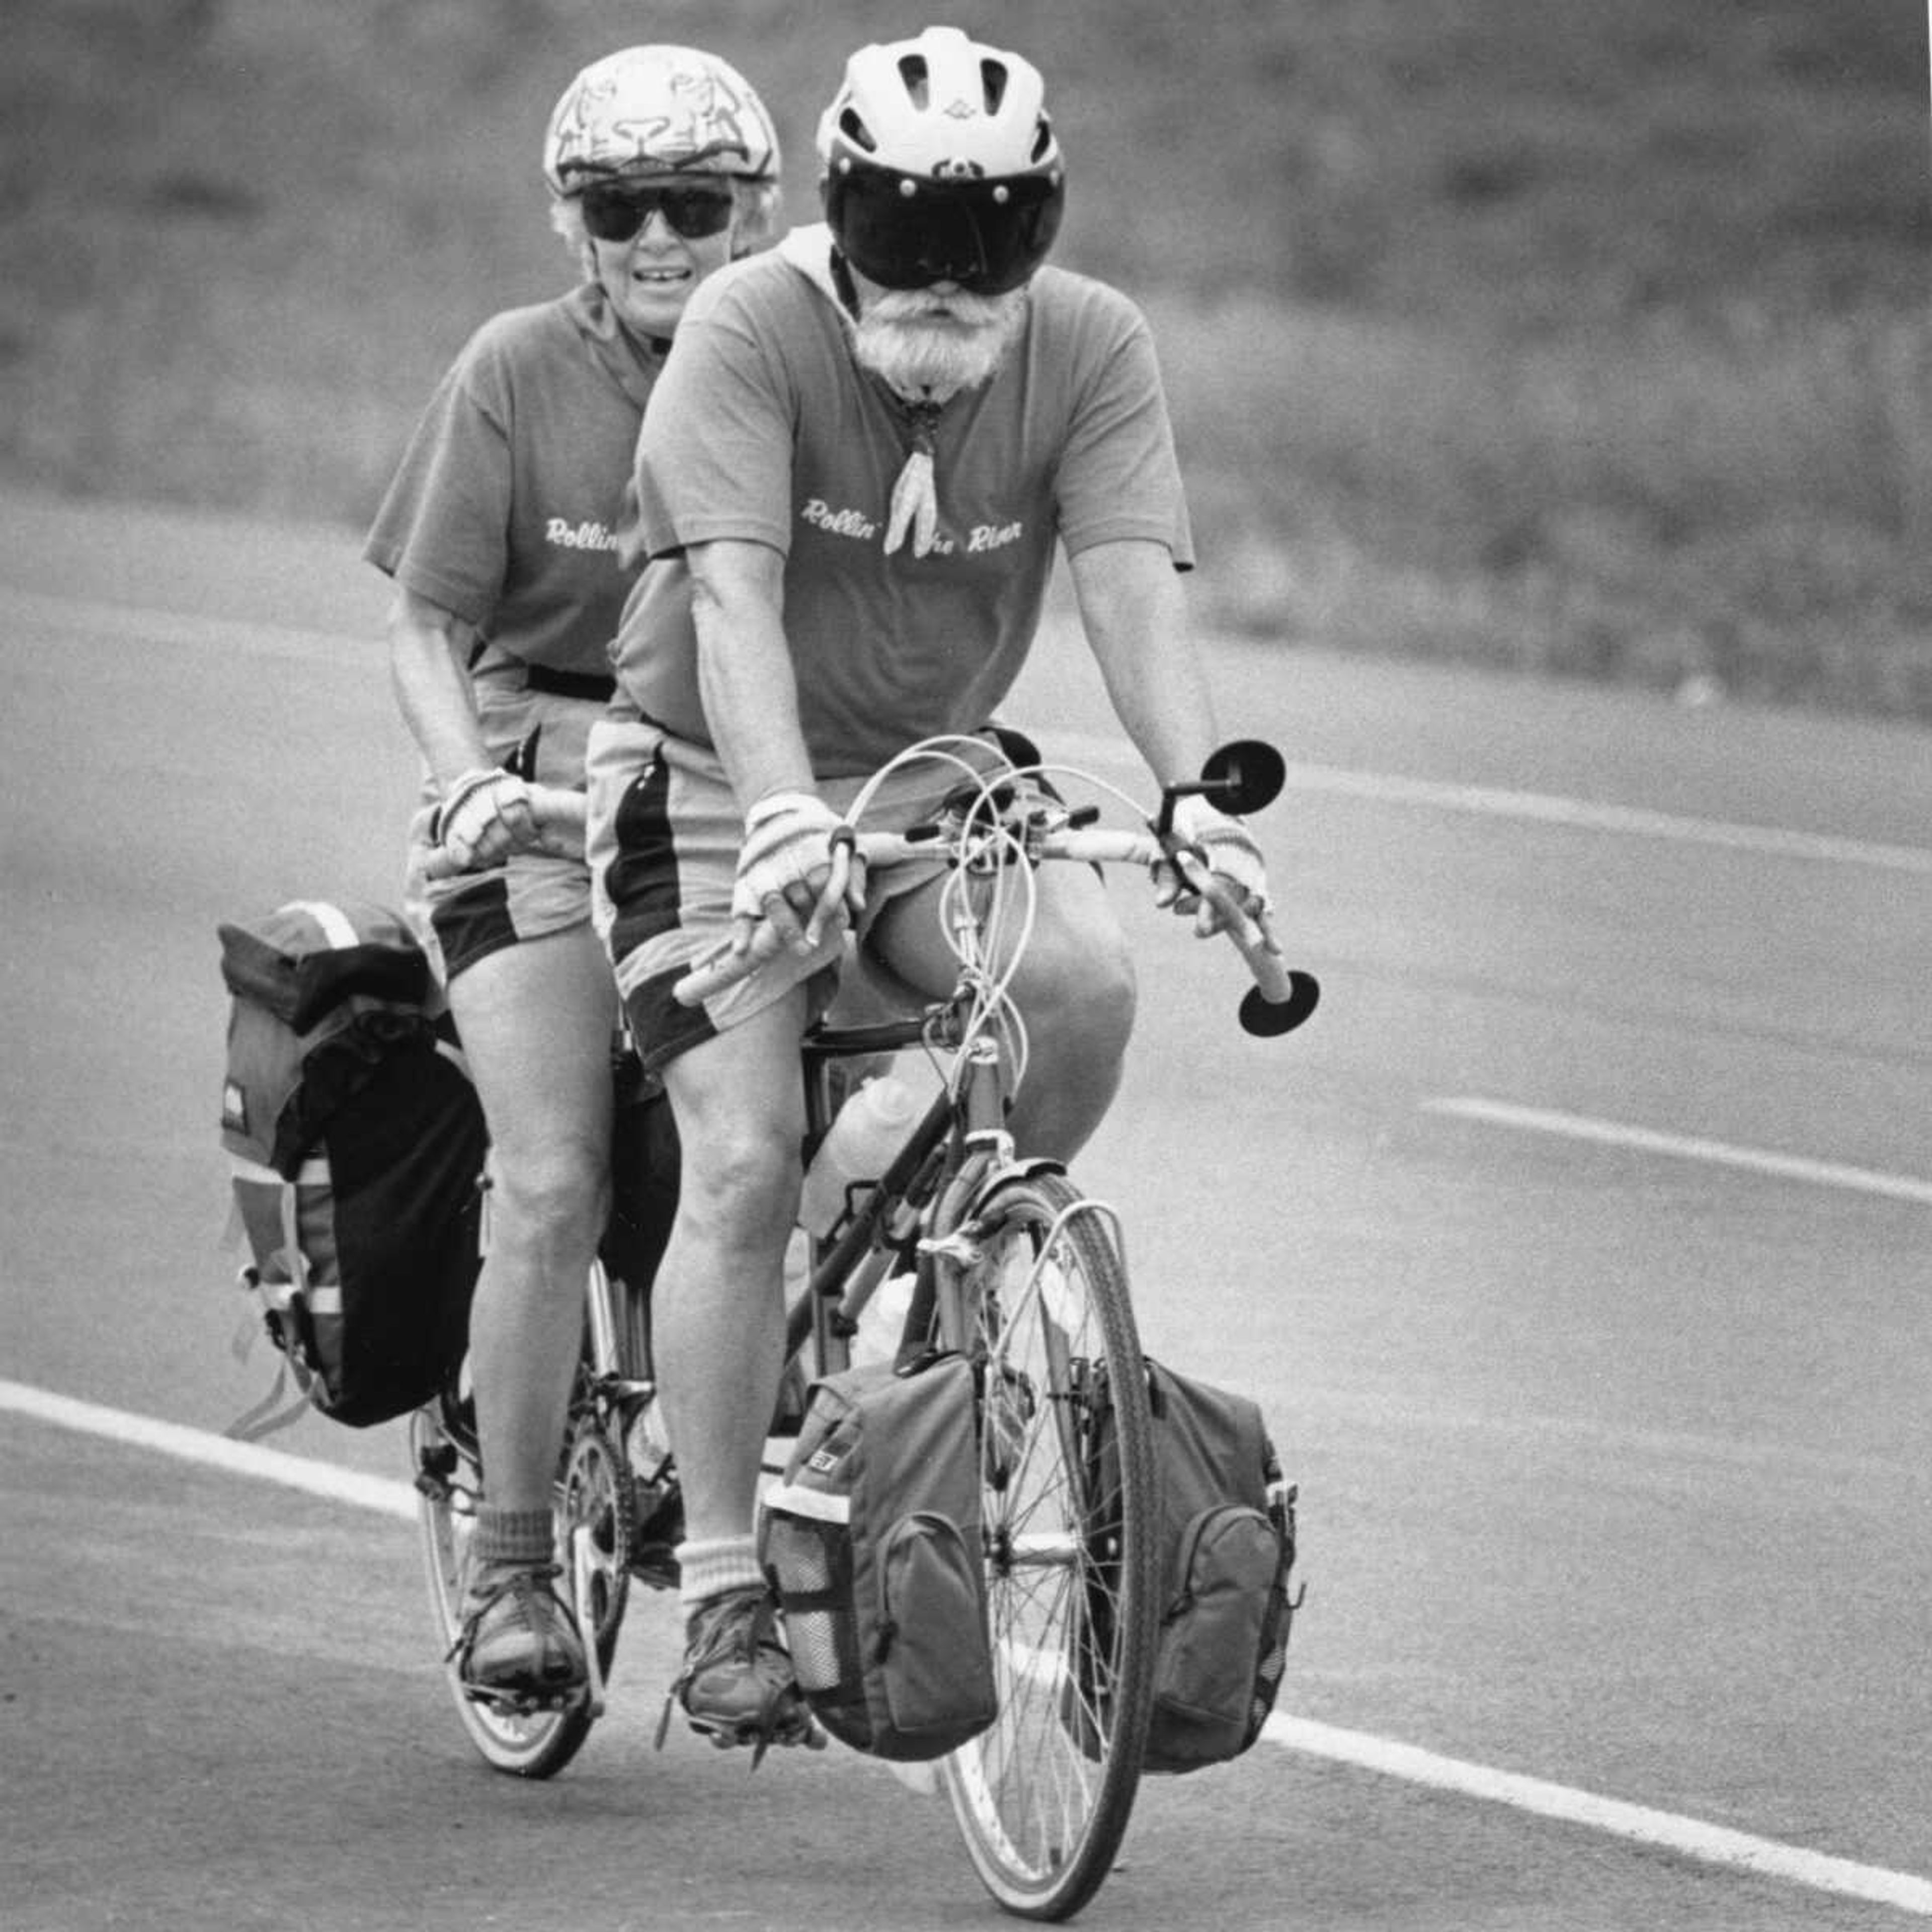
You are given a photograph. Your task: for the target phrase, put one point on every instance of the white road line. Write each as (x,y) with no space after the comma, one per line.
(215,1452)
(1713,1843)
(1588,816)
(1544,808)
(1685,1146)
(231,635)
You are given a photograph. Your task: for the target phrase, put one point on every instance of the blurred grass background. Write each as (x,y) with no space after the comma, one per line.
(1585,338)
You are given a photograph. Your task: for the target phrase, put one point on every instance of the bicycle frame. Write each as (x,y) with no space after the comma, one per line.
(943,1164)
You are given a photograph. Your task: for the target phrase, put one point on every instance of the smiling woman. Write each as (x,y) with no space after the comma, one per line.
(651,245)
(662,166)
(501,531)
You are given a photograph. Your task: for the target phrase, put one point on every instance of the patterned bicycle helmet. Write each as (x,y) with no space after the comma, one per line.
(940,164)
(658,109)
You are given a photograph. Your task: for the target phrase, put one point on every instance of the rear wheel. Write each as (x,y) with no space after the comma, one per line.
(594,1510)
(1066,1482)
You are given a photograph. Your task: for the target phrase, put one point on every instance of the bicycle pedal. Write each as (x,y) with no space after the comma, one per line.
(436,1471)
(812,1737)
(724,1737)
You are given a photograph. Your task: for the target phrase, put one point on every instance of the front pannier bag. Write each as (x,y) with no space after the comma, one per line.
(1227,1547)
(872,1543)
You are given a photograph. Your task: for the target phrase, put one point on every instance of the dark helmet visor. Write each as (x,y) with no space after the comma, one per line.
(909,231)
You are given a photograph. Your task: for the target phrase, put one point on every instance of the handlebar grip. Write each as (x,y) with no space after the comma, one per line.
(705,980)
(1282,997)
(721,967)
(1102,845)
(557,810)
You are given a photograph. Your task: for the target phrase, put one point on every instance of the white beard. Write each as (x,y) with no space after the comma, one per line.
(922,358)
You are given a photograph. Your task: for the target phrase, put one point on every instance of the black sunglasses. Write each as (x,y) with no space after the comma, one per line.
(615,210)
(909,231)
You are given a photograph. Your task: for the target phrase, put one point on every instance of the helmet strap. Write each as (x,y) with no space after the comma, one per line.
(842,280)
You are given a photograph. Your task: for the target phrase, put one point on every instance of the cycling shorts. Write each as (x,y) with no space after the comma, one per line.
(665,829)
(541,735)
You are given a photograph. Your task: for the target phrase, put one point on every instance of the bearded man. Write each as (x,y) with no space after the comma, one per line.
(853,475)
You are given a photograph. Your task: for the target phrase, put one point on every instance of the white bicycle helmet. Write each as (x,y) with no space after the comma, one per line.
(655,110)
(939,165)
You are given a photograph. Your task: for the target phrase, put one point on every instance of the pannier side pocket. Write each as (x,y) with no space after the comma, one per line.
(931,1639)
(813,1560)
(1217,1630)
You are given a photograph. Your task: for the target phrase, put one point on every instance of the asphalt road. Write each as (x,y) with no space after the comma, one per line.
(1577,1251)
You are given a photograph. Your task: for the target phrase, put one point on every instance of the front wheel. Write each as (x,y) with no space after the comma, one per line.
(1067,1489)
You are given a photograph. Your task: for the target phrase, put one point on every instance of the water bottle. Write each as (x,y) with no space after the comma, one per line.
(871,1128)
(882,1321)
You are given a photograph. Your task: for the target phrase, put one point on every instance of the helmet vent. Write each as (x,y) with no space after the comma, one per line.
(993,78)
(856,131)
(913,71)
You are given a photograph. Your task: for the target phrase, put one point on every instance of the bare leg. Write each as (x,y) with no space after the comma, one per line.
(536,1021)
(717,1314)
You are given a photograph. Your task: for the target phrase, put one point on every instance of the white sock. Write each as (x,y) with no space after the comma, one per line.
(709,1569)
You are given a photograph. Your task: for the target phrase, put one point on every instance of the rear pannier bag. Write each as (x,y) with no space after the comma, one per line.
(872,1543)
(356,1144)
(1227,1545)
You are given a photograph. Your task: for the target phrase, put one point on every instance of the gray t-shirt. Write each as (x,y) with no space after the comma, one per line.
(764,429)
(506,508)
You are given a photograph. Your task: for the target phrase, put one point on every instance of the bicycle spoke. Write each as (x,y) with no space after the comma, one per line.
(1043,1797)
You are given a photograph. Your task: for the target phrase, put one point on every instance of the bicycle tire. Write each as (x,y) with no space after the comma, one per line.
(1043,1799)
(535,1744)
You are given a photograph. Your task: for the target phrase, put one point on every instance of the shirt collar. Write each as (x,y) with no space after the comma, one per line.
(809,251)
(631,364)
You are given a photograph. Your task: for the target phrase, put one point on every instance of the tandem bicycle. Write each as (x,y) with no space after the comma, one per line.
(1000,1258)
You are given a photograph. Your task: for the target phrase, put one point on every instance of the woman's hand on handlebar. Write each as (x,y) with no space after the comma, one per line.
(487,815)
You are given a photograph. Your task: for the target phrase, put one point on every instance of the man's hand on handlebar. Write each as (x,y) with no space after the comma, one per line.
(798,871)
(1225,848)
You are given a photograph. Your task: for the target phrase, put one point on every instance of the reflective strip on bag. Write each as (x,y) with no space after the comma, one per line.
(322,1299)
(816,1504)
(338,929)
(313,1172)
